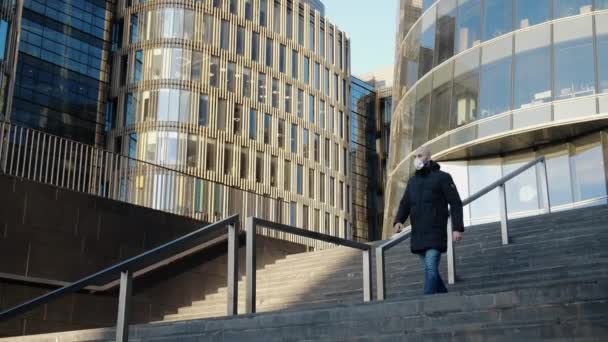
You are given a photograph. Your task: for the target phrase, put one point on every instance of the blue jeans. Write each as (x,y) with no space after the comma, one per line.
(432,280)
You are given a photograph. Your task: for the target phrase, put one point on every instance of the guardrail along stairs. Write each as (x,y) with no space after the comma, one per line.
(550,283)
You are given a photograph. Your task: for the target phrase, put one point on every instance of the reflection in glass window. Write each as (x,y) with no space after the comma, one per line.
(192,150)
(240,40)
(222,113)
(246,82)
(248,9)
(495,89)
(326,151)
(317,76)
(305,144)
(330,119)
(558,174)
(244,162)
(330,45)
(255,46)
(274,161)
(573,69)
(276,17)
(237,119)
(203,110)
(466,87)
(421,117)
(214,70)
(281,133)
(446,24)
(601,23)
(299,179)
(532,67)
(267,129)
(468,24)
(311,33)
(208,30)
(197,64)
(601,4)
(253,124)
(316,146)
(231,79)
(521,191)
(498,18)
(294,138)
(301,28)
(262,87)
(409,58)
(259,167)
(322,114)
(224,34)
(211,153)
(565,8)
(294,64)
(289,22)
(589,171)
(300,104)
(169,23)
(326,81)
(275,93)
(134,28)
(139,61)
(129,110)
(322,187)
(3,38)
(263,9)
(322,39)
(287,175)
(282,58)
(426,4)
(288,98)
(311,108)
(306,70)
(228,159)
(442,98)
(427,43)
(481,174)
(530,13)
(269,52)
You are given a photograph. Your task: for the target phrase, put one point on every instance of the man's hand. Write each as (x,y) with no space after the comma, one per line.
(457,236)
(398,227)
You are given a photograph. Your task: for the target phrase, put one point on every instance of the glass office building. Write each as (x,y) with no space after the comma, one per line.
(489,85)
(252,95)
(63,67)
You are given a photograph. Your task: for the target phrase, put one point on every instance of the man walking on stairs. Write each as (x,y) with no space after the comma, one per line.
(425,201)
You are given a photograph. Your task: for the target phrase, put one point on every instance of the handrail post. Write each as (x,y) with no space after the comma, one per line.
(380,280)
(544,181)
(504,224)
(250,226)
(367,275)
(450,254)
(124,305)
(233,269)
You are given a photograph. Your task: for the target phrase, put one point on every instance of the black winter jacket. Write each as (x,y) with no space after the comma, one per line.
(425,201)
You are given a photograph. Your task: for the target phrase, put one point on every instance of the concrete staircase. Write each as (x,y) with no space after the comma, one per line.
(549,284)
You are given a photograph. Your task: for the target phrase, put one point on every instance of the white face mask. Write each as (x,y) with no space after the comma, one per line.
(418,163)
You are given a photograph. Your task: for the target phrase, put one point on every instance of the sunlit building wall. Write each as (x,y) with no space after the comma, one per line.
(489,85)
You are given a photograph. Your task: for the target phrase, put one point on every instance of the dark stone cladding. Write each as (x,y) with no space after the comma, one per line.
(62,235)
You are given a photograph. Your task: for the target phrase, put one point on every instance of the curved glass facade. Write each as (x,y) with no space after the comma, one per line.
(479,79)
(227,90)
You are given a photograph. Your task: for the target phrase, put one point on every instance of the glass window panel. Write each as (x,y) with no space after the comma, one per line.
(289,23)
(498,18)
(259,167)
(248,9)
(294,138)
(221,114)
(184,106)
(322,40)
(574,66)
(466,89)
(263,9)
(287,176)
(559,175)
(421,117)
(208,31)
(322,114)
(306,70)
(301,28)
(3,38)
(601,4)
(214,70)
(532,67)
(311,183)
(262,88)
(224,34)
(446,26)
(240,40)
(252,124)
(481,174)
(231,79)
(197,63)
(589,171)
(267,129)
(532,116)
(317,76)
(442,97)
(275,93)
(211,155)
(246,82)
(269,52)
(305,144)
(287,98)
(322,187)
(565,8)
(532,12)
(276,17)
(521,191)
(139,61)
(299,179)
(311,33)
(282,58)
(326,81)
(300,103)
(427,43)
(274,161)
(495,78)
(255,46)
(468,24)
(228,168)
(237,119)
(311,108)
(426,4)
(294,64)
(281,133)
(244,162)
(601,23)
(316,146)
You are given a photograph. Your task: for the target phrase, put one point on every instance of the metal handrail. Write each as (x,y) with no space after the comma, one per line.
(128,267)
(504,224)
(251,226)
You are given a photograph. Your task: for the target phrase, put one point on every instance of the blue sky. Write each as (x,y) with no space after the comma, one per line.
(370,24)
